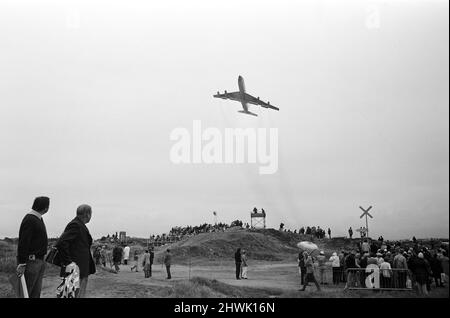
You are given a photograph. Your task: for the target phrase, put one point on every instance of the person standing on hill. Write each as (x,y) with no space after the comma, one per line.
(329,233)
(309,272)
(32,247)
(238,261)
(350,232)
(74,246)
(168,263)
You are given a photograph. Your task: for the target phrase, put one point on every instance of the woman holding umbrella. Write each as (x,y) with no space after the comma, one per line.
(308,263)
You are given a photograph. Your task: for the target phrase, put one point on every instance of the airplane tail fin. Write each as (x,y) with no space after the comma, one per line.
(247,112)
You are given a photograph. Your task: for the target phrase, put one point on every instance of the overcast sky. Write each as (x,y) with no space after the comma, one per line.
(90,92)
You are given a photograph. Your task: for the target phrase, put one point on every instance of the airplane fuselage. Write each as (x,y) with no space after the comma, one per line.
(242,92)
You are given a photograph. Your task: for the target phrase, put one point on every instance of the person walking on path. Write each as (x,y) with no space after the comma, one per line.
(146,264)
(168,263)
(309,272)
(238,261)
(126,254)
(117,257)
(136,261)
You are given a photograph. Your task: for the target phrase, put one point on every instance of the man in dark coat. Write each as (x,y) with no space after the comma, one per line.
(74,246)
(238,260)
(117,253)
(32,247)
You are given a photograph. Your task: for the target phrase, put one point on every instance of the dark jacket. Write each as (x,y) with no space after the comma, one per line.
(301,260)
(421,270)
(32,239)
(74,245)
(152,256)
(363,262)
(237,257)
(117,254)
(436,267)
(168,259)
(350,261)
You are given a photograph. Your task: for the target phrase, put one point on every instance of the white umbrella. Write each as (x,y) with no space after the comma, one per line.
(308,246)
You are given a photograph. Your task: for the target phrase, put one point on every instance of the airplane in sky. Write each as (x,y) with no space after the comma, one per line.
(244,98)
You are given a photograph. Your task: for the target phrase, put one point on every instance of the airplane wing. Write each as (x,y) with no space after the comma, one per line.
(233,96)
(256,101)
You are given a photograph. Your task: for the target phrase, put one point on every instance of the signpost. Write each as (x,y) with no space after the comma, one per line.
(366,213)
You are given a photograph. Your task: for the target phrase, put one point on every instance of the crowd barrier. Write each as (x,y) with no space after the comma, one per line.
(372,277)
(365,278)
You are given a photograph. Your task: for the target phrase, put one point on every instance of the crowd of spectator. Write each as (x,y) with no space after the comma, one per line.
(314,231)
(178,233)
(399,265)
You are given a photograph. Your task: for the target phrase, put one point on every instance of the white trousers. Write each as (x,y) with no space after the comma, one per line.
(244,271)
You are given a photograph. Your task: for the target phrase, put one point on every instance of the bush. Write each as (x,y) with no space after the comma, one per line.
(8,264)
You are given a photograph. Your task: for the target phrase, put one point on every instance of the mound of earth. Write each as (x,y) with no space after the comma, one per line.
(267,244)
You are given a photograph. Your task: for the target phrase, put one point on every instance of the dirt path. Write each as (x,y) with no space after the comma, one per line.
(129,283)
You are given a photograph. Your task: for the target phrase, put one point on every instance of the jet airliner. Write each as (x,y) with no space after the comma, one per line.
(244,98)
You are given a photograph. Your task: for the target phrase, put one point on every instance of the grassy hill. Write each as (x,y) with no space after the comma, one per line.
(268,244)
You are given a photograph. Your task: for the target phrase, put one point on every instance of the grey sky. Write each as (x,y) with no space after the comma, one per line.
(90,91)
